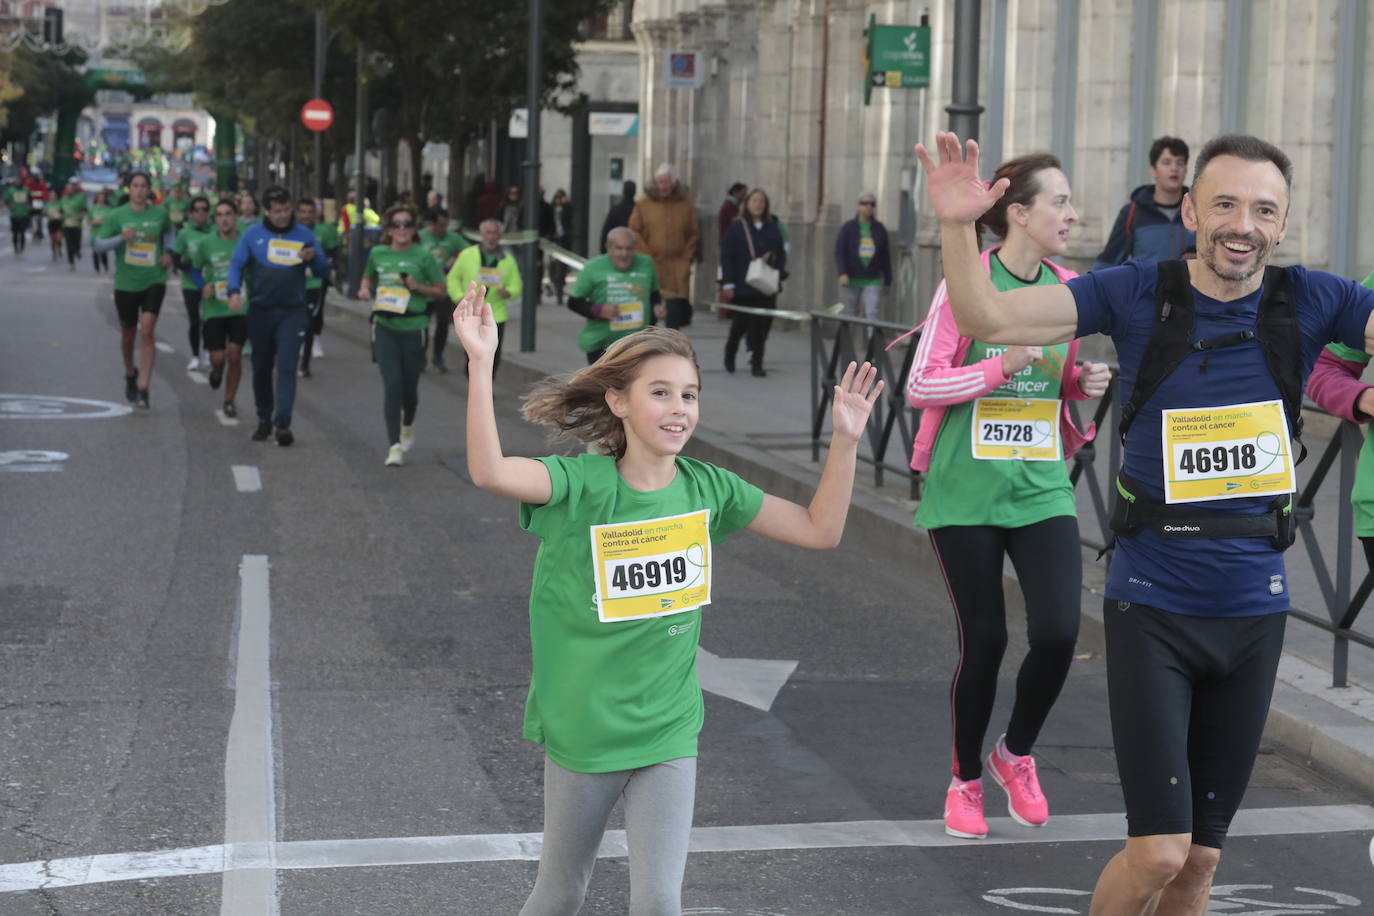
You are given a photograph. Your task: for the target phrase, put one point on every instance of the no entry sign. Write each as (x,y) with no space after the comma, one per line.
(317,114)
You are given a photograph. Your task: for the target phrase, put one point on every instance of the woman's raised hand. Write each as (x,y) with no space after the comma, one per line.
(853,400)
(474,325)
(957,193)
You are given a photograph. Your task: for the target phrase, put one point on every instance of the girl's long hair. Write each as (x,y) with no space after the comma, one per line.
(575,405)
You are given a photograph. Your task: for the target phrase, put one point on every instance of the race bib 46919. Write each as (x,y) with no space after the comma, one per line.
(1226,452)
(652,568)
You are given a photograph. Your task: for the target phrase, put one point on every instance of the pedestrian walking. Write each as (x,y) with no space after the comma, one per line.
(495,269)
(617,292)
(863,260)
(665,223)
(96,215)
(751,263)
(992,491)
(1150,225)
(637,407)
(143,232)
(561,235)
(17,201)
(271,259)
(316,290)
(1196,593)
(729,210)
(619,213)
(400,279)
(512,211)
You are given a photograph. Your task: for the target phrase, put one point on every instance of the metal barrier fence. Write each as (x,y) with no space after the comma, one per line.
(838,339)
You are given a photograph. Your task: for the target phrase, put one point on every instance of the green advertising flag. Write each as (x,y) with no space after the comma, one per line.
(898,57)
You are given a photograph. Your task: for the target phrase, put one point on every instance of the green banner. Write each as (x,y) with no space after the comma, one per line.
(898,57)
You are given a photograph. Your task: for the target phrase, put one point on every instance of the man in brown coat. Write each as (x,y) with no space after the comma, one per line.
(665,223)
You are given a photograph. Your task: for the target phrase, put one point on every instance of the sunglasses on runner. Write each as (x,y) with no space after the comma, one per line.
(402,224)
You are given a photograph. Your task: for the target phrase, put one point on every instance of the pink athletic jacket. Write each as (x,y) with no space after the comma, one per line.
(1335,385)
(939,377)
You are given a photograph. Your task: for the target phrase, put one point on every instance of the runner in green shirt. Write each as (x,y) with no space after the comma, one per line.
(177,203)
(52,210)
(17,202)
(617,293)
(140,232)
(316,290)
(627,543)
(100,209)
(190,235)
(73,205)
(225,330)
(400,279)
(445,245)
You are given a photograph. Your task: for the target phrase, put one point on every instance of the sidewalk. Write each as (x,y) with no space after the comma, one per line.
(760,428)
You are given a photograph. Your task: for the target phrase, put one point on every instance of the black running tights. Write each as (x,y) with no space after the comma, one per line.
(1048,562)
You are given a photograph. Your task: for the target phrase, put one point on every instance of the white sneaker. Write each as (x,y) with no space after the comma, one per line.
(194,364)
(407,438)
(395,456)
(317,351)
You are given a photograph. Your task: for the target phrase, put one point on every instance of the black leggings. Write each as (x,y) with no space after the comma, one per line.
(316,298)
(73,236)
(192,299)
(1048,561)
(753,328)
(19,228)
(100,260)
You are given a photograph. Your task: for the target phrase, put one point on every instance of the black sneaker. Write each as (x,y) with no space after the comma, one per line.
(440,366)
(305,372)
(263,431)
(284,435)
(142,399)
(216,376)
(131,388)
(230,410)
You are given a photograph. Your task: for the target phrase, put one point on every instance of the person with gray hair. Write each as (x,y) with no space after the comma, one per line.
(863,260)
(495,268)
(665,221)
(617,293)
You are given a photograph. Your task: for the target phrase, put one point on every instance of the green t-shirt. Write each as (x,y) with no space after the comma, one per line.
(615,696)
(1362,493)
(384,268)
(600,283)
(52,208)
(176,209)
(17,199)
(138,264)
(97,214)
(444,249)
(187,240)
(211,256)
(867,252)
(963,490)
(327,238)
(74,208)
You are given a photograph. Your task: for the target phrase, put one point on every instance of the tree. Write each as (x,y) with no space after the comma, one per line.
(9,90)
(45,81)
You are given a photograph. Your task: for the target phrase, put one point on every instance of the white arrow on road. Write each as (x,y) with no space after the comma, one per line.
(752,681)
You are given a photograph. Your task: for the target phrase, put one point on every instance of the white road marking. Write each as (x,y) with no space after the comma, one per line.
(226,421)
(505,847)
(200,378)
(246,478)
(164,347)
(250,814)
(752,681)
(52,407)
(1234,899)
(32,460)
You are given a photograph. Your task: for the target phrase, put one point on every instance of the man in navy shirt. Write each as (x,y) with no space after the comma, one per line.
(271,260)
(1194,625)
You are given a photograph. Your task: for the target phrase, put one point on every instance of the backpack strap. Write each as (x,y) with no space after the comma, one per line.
(1280,341)
(1171,341)
(1130,218)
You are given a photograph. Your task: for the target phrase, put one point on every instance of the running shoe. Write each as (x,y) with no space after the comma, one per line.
(1025,802)
(131,388)
(194,364)
(216,375)
(316,351)
(71,268)
(142,399)
(304,372)
(964,809)
(439,365)
(230,410)
(263,432)
(285,436)
(395,456)
(407,438)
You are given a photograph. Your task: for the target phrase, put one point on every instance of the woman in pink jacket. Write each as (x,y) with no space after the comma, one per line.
(993,439)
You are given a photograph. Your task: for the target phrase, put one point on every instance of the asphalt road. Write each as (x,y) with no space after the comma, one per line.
(305,698)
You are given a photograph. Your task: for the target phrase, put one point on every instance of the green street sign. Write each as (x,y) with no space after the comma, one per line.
(898,57)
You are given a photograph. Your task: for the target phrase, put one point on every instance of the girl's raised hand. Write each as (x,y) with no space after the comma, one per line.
(473,323)
(853,400)
(957,193)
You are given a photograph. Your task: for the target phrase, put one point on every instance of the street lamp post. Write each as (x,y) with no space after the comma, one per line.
(532,197)
(355,243)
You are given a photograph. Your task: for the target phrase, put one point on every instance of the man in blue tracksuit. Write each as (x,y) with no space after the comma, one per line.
(1150,226)
(271,260)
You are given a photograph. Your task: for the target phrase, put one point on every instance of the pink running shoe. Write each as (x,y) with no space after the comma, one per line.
(1025,802)
(964,809)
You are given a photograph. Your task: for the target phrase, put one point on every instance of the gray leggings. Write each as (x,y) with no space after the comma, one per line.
(658,827)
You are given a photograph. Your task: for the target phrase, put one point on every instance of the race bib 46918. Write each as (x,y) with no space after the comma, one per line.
(652,568)
(1226,452)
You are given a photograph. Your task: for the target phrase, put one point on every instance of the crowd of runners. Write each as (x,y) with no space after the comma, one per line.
(1215,346)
